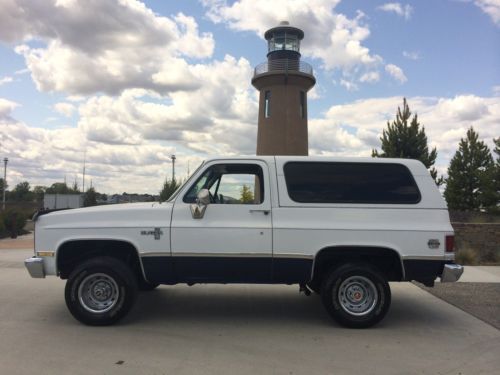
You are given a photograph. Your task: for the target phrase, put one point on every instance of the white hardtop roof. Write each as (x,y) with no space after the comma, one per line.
(415,166)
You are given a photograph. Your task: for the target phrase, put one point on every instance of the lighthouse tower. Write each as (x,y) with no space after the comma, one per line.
(283,81)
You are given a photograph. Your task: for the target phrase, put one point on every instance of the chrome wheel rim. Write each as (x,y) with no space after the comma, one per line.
(357,295)
(98,293)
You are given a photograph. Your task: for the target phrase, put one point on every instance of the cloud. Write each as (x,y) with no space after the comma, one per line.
(370,77)
(333,38)
(401,10)
(411,55)
(349,85)
(5,80)
(491,8)
(65,109)
(103,45)
(129,139)
(354,129)
(396,72)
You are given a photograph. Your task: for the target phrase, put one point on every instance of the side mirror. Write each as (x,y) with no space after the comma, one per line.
(202,201)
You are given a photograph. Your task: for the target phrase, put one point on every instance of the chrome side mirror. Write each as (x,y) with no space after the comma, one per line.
(202,201)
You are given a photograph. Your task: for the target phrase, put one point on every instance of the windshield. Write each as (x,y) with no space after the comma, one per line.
(174,195)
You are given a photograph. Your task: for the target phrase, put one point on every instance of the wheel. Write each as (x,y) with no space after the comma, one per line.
(356,295)
(101,291)
(146,286)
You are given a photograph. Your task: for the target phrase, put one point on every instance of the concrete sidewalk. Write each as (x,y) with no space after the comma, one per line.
(481,274)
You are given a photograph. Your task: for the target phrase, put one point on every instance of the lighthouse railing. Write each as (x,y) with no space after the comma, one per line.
(283,65)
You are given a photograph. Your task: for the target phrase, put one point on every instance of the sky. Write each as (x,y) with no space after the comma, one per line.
(129,83)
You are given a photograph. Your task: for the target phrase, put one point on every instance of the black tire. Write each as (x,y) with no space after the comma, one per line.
(101,291)
(146,286)
(356,295)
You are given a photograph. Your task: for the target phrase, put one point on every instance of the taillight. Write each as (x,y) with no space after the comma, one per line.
(450,244)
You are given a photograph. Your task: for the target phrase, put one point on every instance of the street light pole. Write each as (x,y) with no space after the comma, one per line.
(5,161)
(173,166)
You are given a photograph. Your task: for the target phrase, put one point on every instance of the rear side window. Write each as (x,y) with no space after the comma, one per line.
(333,182)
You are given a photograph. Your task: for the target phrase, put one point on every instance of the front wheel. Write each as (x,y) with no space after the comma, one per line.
(356,295)
(101,291)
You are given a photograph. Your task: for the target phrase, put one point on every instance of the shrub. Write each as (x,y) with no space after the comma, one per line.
(467,257)
(14,222)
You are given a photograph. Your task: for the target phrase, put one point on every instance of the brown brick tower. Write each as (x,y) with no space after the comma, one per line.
(283,81)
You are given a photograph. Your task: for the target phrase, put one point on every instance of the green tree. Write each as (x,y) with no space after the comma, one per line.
(22,192)
(58,188)
(246,194)
(90,198)
(169,187)
(38,192)
(467,185)
(408,141)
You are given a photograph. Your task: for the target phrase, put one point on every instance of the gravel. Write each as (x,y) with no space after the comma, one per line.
(481,300)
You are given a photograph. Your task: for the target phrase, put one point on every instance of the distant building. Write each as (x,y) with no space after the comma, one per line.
(60,201)
(283,81)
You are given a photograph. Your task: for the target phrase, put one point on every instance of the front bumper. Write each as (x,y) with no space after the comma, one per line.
(35,267)
(451,273)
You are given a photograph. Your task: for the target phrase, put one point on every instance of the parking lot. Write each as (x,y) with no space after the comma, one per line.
(234,329)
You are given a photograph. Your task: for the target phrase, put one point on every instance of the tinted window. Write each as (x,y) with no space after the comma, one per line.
(323,182)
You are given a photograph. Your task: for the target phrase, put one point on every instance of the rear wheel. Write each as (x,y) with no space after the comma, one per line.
(356,295)
(101,291)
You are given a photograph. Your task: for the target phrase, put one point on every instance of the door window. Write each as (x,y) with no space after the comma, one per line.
(230,184)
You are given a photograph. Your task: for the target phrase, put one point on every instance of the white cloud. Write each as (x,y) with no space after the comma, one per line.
(370,77)
(491,8)
(349,85)
(411,55)
(129,139)
(396,72)
(65,109)
(496,90)
(5,80)
(102,45)
(354,129)
(401,10)
(334,38)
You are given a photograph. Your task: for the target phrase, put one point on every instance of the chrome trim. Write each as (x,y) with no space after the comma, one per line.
(294,255)
(229,255)
(34,266)
(430,257)
(451,273)
(154,254)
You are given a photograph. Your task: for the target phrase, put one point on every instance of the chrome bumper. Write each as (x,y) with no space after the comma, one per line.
(35,267)
(451,273)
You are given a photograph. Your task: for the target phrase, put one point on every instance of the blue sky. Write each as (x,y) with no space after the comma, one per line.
(131,83)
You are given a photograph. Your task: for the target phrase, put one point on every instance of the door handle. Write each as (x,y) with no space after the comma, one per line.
(265,212)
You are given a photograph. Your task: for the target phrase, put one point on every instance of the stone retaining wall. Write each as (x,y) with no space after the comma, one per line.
(482,238)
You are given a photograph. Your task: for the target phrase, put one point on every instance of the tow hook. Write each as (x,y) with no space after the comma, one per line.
(304,289)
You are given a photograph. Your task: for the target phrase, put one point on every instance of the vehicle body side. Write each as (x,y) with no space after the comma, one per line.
(290,241)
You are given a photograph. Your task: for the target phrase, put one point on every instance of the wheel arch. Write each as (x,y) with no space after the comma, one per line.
(72,251)
(385,258)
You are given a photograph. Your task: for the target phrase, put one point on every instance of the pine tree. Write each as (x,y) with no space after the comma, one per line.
(169,187)
(246,194)
(468,186)
(401,140)
(90,198)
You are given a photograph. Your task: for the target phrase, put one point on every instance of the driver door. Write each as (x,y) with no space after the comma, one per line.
(232,242)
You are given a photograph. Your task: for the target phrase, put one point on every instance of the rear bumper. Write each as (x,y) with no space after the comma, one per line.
(34,266)
(451,273)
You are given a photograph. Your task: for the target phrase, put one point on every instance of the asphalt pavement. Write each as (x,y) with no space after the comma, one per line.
(234,329)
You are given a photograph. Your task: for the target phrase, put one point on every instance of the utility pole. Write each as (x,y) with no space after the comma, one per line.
(5,161)
(83,178)
(173,166)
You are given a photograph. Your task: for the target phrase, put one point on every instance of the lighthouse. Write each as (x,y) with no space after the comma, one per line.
(283,82)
